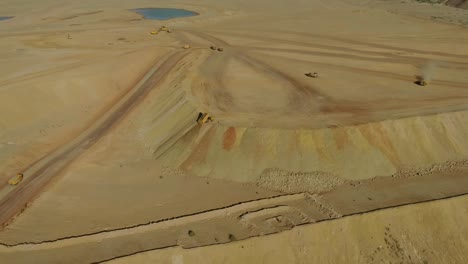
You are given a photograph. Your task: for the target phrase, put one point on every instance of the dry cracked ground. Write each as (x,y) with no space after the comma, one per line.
(100,117)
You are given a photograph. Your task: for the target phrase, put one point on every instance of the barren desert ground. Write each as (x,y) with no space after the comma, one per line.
(363,164)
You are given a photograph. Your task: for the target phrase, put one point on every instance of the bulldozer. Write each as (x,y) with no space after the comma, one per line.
(154,32)
(204,118)
(16,179)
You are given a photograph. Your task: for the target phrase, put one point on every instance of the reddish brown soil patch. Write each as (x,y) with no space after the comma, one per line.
(229,138)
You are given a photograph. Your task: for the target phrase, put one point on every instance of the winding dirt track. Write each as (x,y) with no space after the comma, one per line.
(44,170)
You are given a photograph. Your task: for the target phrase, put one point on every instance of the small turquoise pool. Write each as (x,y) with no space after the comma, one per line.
(163,13)
(5,17)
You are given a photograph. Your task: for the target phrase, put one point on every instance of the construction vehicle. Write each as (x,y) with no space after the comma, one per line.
(186,46)
(204,118)
(312,75)
(213,48)
(220,49)
(16,179)
(163,28)
(422,82)
(154,32)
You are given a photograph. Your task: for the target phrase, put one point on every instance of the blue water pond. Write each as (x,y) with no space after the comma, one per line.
(163,13)
(5,17)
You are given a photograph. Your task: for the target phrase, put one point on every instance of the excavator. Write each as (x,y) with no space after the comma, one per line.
(204,118)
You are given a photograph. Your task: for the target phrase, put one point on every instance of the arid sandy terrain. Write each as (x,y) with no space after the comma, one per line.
(100,118)
(418,233)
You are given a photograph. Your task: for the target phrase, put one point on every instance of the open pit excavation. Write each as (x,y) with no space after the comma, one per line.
(131,140)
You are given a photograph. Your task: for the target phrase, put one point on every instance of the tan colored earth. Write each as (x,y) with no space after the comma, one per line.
(419,233)
(100,117)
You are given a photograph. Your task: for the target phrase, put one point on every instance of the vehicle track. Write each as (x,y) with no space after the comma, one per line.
(301,90)
(389,49)
(389,54)
(38,176)
(327,105)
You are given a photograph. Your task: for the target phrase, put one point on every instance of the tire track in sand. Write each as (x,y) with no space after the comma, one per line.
(296,96)
(316,99)
(38,176)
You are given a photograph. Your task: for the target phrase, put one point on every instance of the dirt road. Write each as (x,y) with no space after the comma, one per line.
(49,167)
(308,104)
(362,136)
